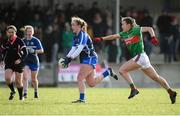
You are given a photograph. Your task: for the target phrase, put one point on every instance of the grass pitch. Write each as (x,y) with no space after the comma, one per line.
(100,101)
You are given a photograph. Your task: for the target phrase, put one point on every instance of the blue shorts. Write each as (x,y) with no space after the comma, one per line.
(93,60)
(33,67)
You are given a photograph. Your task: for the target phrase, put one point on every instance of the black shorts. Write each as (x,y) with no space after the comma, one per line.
(15,67)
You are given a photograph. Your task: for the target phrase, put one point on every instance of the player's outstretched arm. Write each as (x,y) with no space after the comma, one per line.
(109,37)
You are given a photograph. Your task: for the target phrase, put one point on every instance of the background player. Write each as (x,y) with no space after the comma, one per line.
(132,36)
(82,45)
(34,47)
(14,53)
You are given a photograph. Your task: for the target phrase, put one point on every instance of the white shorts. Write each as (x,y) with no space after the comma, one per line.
(143,60)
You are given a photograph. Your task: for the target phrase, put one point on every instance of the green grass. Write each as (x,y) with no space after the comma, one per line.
(100,101)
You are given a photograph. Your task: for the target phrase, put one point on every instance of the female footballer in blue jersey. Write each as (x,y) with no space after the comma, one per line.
(83,46)
(34,47)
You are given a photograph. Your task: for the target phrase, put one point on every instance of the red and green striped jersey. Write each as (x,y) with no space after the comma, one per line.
(133,40)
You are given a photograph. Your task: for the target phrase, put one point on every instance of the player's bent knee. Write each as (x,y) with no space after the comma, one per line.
(34,81)
(25,79)
(91,85)
(8,80)
(80,78)
(122,71)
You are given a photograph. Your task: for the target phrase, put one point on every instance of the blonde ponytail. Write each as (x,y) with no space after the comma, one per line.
(84,27)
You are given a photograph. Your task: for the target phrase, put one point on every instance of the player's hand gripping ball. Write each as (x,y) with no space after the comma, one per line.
(61,63)
(64,62)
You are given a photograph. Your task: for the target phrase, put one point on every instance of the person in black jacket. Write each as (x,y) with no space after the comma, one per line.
(13,52)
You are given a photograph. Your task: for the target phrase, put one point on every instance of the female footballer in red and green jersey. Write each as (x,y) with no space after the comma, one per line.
(132,37)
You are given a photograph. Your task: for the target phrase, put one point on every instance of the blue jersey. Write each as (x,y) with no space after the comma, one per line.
(88,54)
(83,39)
(36,45)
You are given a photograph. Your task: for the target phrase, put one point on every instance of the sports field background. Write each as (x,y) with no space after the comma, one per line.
(100,101)
(152,100)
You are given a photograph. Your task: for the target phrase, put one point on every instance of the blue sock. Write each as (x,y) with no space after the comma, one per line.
(81,97)
(106,73)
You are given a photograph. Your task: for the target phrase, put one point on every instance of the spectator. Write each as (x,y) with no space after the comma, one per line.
(147,20)
(176,38)
(67,39)
(99,29)
(55,40)
(164,26)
